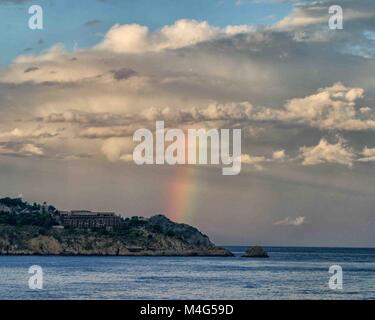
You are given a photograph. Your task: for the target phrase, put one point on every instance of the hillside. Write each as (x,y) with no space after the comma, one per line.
(35,229)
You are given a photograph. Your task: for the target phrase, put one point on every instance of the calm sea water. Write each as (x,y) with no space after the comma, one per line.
(290,273)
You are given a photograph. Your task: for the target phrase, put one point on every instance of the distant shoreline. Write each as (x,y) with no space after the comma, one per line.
(113,256)
(307,247)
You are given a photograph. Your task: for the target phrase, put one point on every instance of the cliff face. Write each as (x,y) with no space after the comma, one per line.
(185,232)
(157,236)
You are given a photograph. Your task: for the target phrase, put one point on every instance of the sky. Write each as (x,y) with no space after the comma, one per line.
(81,24)
(73,94)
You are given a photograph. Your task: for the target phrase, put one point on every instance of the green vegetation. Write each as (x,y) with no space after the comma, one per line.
(32,220)
(45,220)
(20,213)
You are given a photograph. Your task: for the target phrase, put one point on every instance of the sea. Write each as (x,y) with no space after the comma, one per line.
(289,273)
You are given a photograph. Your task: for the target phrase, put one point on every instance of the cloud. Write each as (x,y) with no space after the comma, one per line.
(258,79)
(31,149)
(98,119)
(123,73)
(301,18)
(279,155)
(325,152)
(212,112)
(21,149)
(331,108)
(134,38)
(107,132)
(230,112)
(368,155)
(77,156)
(56,66)
(31,69)
(314,13)
(289,221)
(118,149)
(22,134)
(93,23)
(253,160)
(258,161)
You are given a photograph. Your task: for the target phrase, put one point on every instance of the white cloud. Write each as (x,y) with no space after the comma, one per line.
(22,134)
(134,38)
(368,152)
(289,221)
(70,89)
(212,112)
(299,19)
(279,155)
(331,108)
(325,152)
(317,14)
(365,110)
(31,149)
(368,155)
(255,161)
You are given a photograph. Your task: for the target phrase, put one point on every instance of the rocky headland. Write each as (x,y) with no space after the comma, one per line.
(33,229)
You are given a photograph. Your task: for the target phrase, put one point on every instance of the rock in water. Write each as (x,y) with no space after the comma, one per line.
(256,252)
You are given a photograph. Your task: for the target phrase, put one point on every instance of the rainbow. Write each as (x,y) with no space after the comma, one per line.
(182,194)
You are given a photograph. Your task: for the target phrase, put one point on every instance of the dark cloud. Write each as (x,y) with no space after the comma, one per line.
(31,69)
(123,73)
(93,23)
(89,119)
(21,149)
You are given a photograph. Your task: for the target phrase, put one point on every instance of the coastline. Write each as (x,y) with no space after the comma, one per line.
(208,252)
(47,235)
